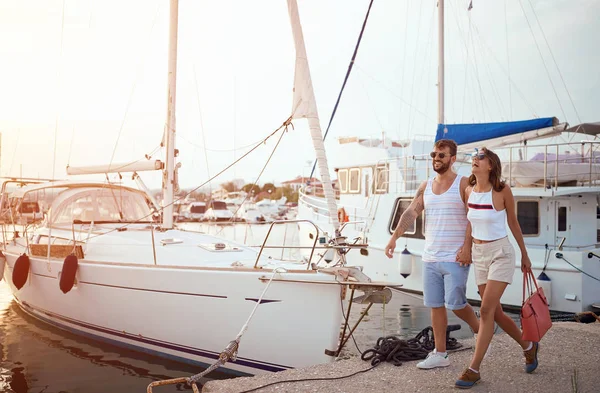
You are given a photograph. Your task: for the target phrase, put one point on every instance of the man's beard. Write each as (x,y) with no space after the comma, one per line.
(442,169)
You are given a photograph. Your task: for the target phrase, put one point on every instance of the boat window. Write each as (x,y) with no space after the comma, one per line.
(103,205)
(562,218)
(218,205)
(30,207)
(343,180)
(381,179)
(416,229)
(528,215)
(354,181)
(197,209)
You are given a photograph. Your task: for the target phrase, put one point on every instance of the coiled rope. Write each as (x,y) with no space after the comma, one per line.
(395,350)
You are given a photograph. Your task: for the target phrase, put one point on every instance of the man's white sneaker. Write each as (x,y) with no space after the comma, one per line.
(489,348)
(433,360)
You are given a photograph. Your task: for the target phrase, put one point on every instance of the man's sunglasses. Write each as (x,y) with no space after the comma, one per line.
(440,155)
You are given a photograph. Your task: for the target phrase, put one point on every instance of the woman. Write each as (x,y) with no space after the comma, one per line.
(490,205)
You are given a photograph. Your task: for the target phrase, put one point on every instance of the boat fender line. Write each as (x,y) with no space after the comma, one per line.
(21,271)
(67,275)
(229,353)
(2,264)
(342,216)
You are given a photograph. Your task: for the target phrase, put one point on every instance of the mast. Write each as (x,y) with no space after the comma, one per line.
(169,173)
(305,106)
(441,62)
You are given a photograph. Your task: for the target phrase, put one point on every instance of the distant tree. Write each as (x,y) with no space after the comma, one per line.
(199,196)
(293,197)
(229,186)
(269,186)
(285,191)
(250,187)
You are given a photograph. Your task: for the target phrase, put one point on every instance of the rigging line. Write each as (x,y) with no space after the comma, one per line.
(515,87)
(202,126)
(462,116)
(141,219)
(508,61)
(491,79)
(385,86)
(543,61)
(426,59)
(362,84)
(71,146)
(62,36)
(412,87)
(352,61)
(133,87)
(217,150)
(12,161)
(555,63)
(260,174)
(483,100)
(403,65)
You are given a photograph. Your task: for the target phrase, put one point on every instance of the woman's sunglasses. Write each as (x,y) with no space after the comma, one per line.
(440,155)
(479,156)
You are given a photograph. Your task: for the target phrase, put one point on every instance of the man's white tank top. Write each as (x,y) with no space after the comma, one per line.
(445,223)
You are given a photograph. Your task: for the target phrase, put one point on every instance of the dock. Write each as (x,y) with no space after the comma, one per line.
(569,361)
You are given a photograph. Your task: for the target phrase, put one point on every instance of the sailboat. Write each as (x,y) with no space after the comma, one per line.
(107,263)
(556,189)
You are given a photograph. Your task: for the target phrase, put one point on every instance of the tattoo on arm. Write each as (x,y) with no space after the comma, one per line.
(410,214)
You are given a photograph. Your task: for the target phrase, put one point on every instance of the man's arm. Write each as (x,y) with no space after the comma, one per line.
(408,217)
(411,213)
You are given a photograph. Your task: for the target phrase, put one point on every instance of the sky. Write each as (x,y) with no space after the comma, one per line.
(90,77)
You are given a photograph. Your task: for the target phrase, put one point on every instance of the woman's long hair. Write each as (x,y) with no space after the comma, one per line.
(496,172)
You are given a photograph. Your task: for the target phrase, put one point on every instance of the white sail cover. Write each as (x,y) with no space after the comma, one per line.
(305,106)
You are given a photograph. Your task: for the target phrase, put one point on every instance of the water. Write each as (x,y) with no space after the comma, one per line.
(35,357)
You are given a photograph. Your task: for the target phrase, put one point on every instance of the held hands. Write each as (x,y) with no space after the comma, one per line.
(389,249)
(464,256)
(525,263)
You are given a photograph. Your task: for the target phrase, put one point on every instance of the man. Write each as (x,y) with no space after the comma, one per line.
(444,277)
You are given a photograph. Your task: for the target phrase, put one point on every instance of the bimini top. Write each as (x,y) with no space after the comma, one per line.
(91,201)
(20,193)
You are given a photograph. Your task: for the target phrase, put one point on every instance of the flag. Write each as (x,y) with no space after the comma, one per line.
(470,5)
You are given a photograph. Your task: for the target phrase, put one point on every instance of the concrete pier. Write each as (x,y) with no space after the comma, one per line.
(569,361)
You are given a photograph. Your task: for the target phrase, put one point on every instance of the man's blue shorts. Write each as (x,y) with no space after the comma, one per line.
(445,284)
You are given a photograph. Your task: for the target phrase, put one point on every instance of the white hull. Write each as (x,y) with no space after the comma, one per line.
(189,314)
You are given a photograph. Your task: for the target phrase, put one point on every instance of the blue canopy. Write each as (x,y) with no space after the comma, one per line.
(469,133)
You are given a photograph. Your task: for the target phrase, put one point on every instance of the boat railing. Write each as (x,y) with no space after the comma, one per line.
(312,248)
(543,165)
(319,207)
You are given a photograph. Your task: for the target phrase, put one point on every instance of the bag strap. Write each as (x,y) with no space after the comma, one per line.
(528,283)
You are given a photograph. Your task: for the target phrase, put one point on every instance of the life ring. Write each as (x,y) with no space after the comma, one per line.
(342,216)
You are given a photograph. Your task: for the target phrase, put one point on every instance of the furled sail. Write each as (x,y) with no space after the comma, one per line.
(305,106)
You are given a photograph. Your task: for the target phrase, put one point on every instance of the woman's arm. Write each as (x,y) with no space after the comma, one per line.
(515,228)
(464,254)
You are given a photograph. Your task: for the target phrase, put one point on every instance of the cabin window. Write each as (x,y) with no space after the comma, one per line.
(381,179)
(343,180)
(528,215)
(199,209)
(354,182)
(416,230)
(562,218)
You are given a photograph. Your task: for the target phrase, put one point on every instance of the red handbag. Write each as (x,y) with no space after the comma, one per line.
(535,312)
